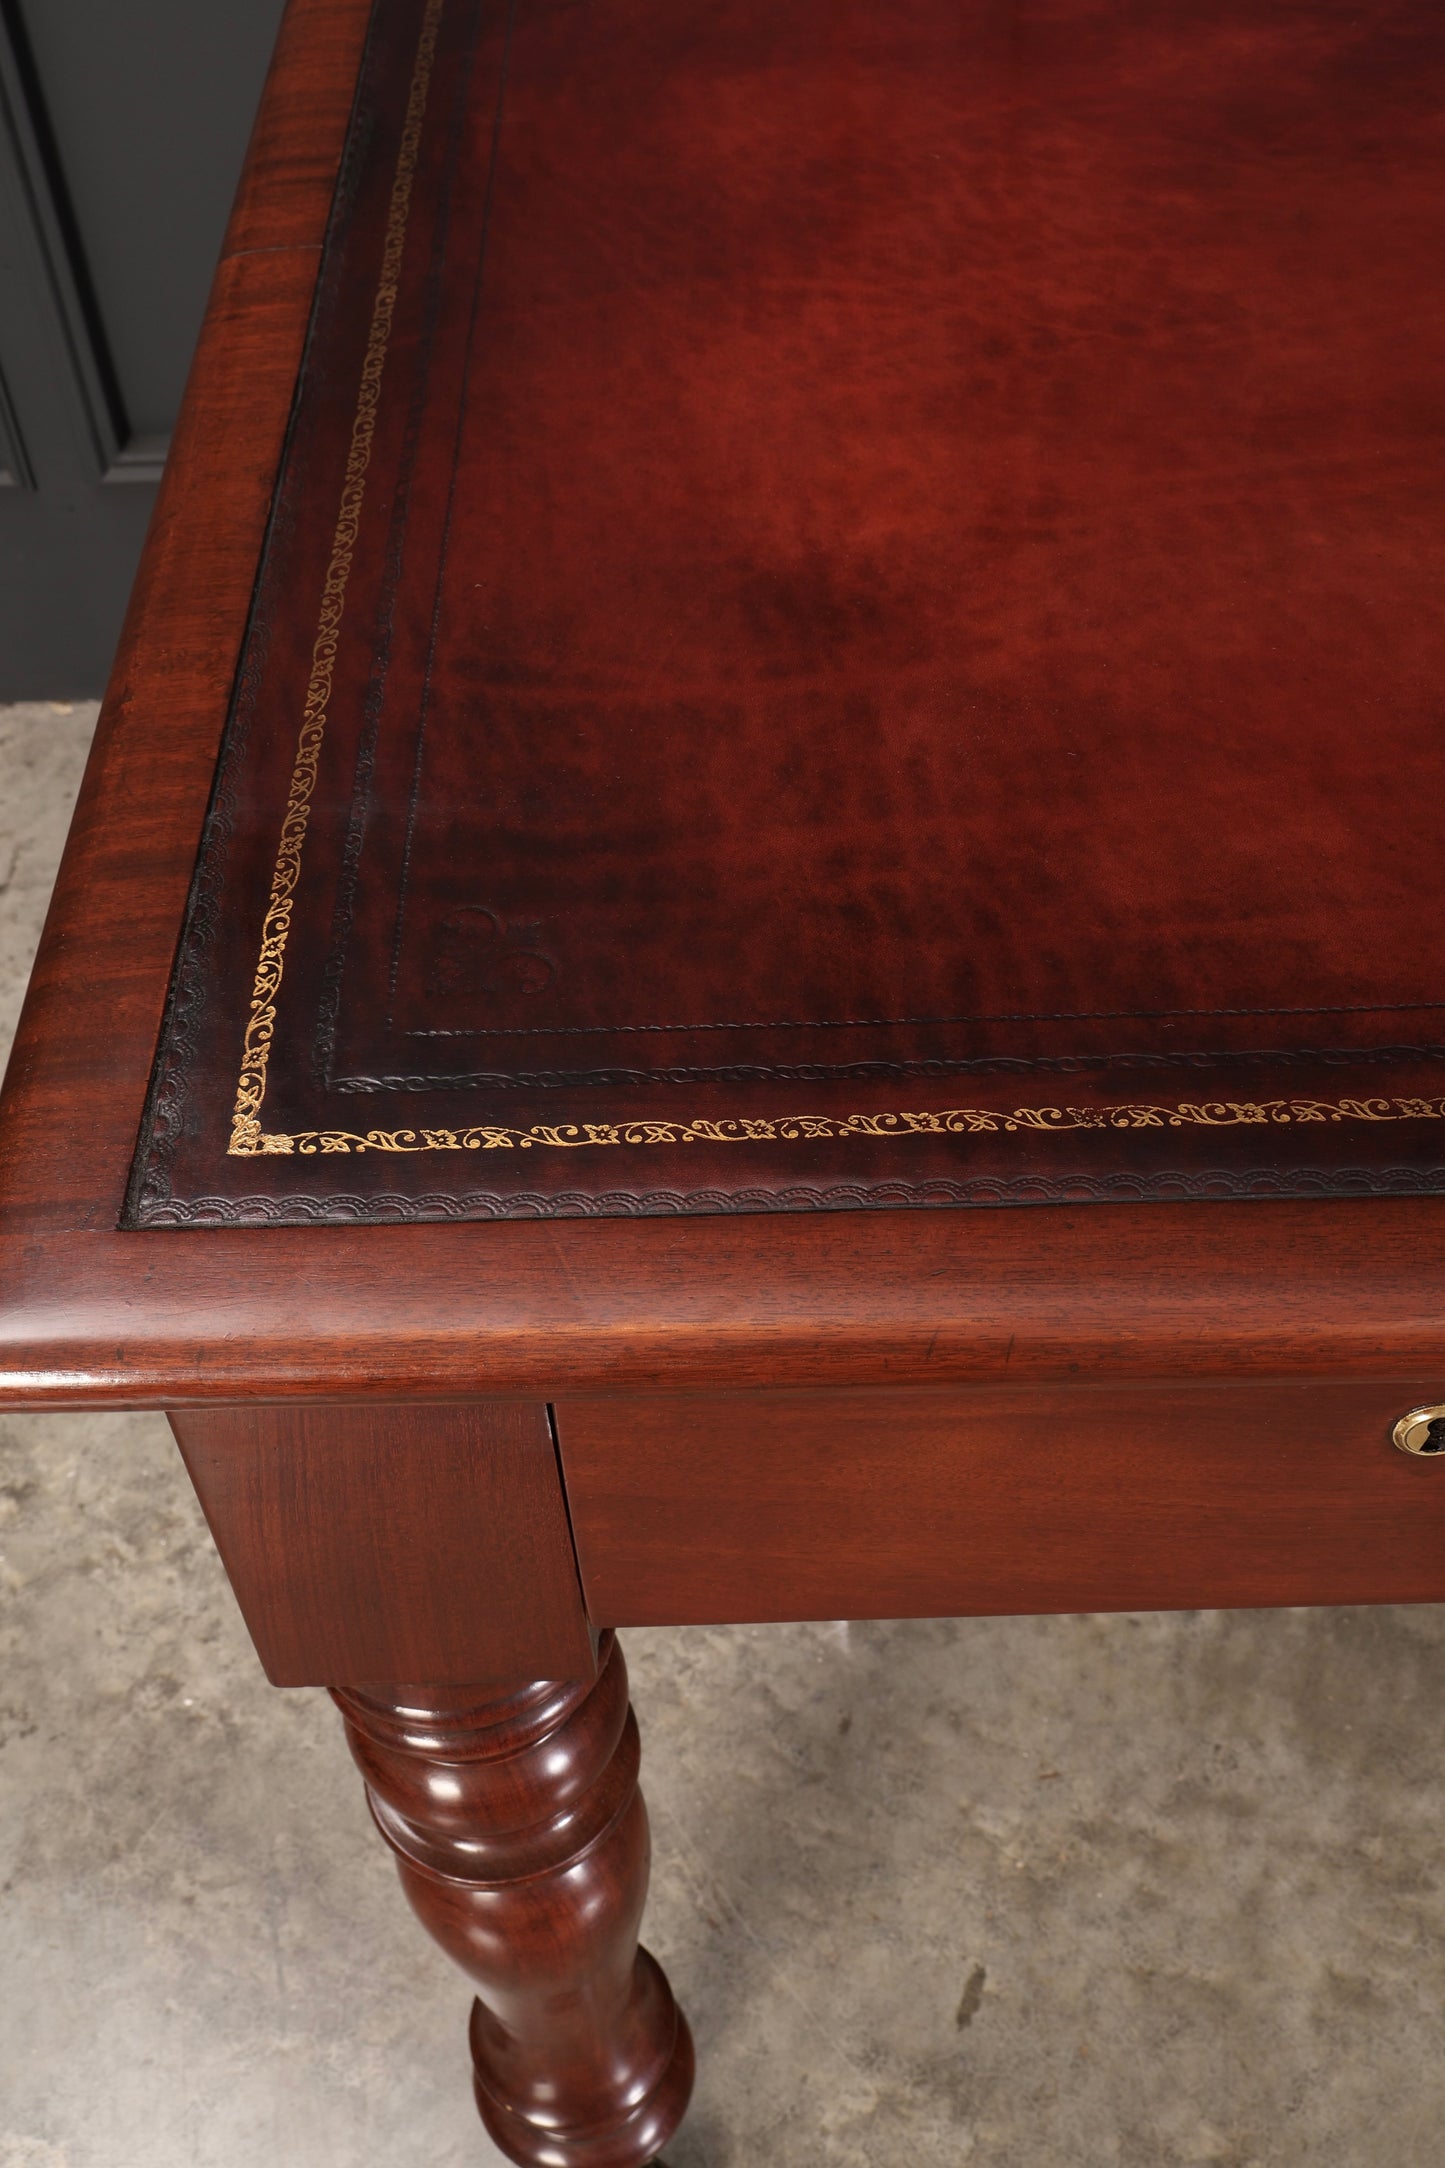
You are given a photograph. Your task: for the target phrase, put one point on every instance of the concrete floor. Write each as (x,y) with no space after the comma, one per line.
(1049,1893)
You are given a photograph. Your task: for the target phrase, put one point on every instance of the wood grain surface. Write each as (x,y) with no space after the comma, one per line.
(393,1542)
(906,1504)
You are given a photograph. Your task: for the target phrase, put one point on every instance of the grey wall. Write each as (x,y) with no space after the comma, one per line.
(122,128)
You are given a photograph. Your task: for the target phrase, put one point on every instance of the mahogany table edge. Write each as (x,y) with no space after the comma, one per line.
(1246,1287)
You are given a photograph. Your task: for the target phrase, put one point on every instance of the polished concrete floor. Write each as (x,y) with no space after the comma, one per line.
(1050,1893)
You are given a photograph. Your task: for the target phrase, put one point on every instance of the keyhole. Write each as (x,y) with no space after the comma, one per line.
(1422,1431)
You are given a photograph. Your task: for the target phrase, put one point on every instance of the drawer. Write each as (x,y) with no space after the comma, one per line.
(898,1504)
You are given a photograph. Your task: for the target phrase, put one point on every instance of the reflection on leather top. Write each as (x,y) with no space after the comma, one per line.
(852,617)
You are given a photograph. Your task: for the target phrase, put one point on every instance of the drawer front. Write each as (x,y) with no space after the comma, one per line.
(899,1504)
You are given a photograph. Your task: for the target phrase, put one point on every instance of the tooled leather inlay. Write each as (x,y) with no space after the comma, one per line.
(851,617)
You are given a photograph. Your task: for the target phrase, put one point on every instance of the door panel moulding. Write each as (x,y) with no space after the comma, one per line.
(15,469)
(51,261)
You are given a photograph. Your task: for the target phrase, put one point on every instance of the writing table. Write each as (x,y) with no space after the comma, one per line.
(755,930)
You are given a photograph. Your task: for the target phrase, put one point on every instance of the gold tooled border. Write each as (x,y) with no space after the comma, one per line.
(276,924)
(248,1139)
(808,1128)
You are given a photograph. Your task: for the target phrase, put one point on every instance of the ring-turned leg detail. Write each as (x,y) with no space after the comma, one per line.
(522,1841)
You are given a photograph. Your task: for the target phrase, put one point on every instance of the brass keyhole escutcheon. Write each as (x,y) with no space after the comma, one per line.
(1421,1432)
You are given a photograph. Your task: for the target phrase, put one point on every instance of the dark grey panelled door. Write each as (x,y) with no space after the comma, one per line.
(122,128)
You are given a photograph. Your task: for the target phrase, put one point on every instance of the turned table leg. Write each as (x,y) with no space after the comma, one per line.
(522,1842)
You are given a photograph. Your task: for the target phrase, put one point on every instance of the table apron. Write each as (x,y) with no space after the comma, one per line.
(895,1504)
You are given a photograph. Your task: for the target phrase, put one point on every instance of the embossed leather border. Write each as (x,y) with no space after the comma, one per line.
(390,1208)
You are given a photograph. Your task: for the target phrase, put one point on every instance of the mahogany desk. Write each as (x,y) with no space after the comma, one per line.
(756,931)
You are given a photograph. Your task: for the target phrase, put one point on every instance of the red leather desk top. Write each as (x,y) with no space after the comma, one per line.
(853,616)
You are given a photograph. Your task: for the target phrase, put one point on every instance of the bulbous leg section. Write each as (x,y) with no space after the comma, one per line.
(522,1842)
